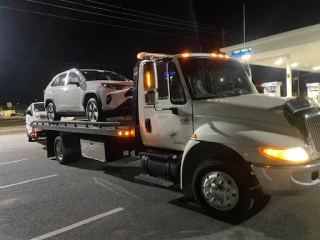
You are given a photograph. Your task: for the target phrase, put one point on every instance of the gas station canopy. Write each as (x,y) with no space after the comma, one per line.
(297,49)
(302,46)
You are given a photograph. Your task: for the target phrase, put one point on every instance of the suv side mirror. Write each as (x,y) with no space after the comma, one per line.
(73,81)
(28,112)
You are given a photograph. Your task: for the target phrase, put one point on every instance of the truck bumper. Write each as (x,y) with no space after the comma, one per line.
(288,180)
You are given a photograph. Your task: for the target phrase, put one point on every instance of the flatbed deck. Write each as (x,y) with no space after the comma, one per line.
(109,128)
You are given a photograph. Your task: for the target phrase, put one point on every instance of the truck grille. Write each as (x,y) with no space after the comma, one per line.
(312,124)
(304,114)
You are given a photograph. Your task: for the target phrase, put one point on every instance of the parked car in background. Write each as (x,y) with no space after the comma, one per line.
(94,93)
(35,112)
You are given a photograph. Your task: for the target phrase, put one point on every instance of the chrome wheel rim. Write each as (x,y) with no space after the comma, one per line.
(93,112)
(59,151)
(50,112)
(220,190)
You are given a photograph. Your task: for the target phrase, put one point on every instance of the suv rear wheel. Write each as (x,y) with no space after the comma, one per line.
(51,113)
(94,111)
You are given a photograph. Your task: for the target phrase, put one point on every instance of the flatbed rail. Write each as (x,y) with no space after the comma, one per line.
(121,128)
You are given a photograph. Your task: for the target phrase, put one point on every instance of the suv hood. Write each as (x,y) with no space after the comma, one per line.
(252,107)
(124,83)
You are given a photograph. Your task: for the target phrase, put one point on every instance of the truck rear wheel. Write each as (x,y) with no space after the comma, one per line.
(65,155)
(223,191)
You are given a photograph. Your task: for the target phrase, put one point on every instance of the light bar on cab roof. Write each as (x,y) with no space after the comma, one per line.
(219,55)
(143,55)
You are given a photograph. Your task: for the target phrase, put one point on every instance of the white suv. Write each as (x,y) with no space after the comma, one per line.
(95,93)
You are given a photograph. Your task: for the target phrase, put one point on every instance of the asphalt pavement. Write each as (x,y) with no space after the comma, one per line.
(41,199)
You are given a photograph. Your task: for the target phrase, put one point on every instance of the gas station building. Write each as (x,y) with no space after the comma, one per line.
(293,50)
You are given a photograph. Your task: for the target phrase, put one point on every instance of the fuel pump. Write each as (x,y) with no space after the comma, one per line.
(272,88)
(314,90)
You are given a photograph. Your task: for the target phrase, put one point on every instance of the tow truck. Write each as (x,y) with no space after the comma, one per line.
(198,122)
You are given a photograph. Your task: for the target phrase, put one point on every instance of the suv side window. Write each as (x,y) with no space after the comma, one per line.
(55,81)
(61,80)
(73,75)
(177,95)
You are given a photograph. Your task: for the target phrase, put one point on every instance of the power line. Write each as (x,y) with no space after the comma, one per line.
(65,63)
(115,17)
(150,14)
(98,23)
(135,15)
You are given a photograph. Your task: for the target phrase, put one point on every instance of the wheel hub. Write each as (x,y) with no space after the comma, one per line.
(50,112)
(59,151)
(93,113)
(220,191)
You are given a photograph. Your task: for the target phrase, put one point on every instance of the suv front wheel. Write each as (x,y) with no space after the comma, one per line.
(51,113)
(94,111)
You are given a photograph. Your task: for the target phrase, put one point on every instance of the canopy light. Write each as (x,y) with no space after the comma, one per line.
(316,68)
(294,64)
(246,57)
(278,62)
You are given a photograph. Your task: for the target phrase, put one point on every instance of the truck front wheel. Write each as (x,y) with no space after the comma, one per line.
(223,190)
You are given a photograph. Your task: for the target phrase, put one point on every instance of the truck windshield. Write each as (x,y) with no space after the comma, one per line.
(39,107)
(92,75)
(215,78)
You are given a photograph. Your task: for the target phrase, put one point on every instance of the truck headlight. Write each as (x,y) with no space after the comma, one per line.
(293,155)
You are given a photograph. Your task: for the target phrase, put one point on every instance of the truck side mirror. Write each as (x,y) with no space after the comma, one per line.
(28,112)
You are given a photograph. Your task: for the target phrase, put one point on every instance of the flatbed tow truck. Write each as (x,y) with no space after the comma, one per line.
(198,122)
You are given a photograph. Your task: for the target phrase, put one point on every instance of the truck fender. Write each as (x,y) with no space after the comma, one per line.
(198,151)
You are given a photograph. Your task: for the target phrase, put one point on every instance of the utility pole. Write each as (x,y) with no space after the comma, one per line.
(223,33)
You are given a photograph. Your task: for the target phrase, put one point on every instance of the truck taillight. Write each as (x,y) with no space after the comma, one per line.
(126,133)
(44,91)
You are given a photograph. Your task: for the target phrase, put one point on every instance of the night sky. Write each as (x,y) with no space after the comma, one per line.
(34,47)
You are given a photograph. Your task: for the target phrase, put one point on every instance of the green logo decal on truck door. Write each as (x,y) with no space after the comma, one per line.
(173,135)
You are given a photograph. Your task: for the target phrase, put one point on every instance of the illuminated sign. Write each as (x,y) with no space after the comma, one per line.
(271,84)
(316,84)
(240,53)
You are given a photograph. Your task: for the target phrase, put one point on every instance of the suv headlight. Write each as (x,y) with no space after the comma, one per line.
(113,86)
(295,155)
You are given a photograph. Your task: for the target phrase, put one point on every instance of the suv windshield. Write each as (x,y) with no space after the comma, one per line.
(39,107)
(212,78)
(92,75)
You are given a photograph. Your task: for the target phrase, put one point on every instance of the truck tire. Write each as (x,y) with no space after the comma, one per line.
(94,111)
(223,190)
(65,155)
(29,138)
(51,113)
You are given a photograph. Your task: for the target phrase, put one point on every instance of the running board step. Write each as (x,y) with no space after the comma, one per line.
(153,180)
(166,157)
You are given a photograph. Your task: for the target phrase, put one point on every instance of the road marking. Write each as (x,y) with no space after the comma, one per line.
(6,151)
(14,161)
(32,180)
(78,224)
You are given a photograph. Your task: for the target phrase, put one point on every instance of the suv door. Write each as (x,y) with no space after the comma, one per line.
(58,92)
(74,93)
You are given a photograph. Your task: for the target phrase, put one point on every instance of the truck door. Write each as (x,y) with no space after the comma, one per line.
(166,120)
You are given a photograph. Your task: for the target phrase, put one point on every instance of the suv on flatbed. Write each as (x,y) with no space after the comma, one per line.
(95,93)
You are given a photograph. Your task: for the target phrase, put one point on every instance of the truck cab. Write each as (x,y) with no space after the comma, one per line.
(205,108)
